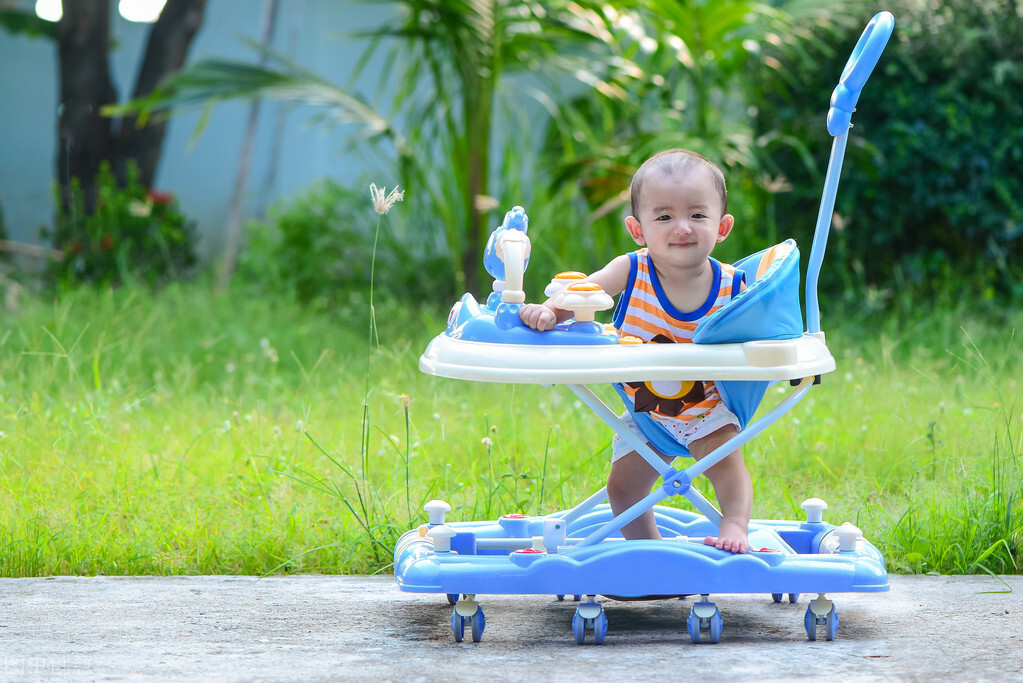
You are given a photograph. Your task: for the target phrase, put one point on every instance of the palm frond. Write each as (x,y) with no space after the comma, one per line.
(214,80)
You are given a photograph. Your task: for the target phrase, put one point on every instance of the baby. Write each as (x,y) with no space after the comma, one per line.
(679,212)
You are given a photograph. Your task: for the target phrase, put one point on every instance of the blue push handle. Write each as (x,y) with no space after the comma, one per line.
(857,70)
(843,101)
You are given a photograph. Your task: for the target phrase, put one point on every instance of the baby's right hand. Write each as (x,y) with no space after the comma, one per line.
(538,316)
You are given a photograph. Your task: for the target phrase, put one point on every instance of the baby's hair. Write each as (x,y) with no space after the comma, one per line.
(676,163)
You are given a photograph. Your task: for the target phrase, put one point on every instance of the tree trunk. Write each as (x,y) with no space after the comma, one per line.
(83,135)
(166,50)
(233,234)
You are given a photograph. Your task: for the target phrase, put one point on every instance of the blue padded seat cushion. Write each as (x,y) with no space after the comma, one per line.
(768,308)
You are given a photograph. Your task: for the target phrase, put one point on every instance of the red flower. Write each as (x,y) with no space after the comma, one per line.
(106,242)
(75,248)
(157,197)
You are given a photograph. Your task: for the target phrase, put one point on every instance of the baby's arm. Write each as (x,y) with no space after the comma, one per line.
(612,278)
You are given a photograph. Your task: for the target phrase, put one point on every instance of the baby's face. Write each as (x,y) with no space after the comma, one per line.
(693,190)
(680,217)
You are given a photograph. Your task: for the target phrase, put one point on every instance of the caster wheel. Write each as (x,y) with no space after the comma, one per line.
(793,598)
(716,624)
(579,628)
(589,616)
(704,615)
(457,626)
(561,598)
(477,623)
(776,597)
(467,610)
(600,628)
(452,598)
(831,623)
(828,619)
(693,626)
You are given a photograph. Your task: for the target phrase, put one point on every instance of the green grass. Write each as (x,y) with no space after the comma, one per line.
(186,433)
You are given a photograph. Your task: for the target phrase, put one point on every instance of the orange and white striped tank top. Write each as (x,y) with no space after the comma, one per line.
(644,311)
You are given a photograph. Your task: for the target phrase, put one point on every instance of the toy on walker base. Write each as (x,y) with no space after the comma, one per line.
(753,341)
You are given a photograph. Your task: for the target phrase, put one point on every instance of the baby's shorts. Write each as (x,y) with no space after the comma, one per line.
(682,431)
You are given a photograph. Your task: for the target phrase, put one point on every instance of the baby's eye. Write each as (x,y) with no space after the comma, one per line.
(699,216)
(663,217)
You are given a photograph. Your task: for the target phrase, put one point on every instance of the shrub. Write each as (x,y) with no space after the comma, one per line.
(319,248)
(929,200)
(134,233)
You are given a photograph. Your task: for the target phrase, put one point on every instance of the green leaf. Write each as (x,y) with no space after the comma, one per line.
(27,23)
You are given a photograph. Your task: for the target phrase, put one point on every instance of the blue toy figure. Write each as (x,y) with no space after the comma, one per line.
(513,247)
(755,339)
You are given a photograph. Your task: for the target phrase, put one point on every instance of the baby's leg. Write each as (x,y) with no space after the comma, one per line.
(733,488)
(630,481)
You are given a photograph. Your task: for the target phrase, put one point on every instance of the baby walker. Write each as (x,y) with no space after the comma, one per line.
(752,342)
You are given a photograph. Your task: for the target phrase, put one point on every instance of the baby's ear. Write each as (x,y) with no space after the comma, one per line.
(725,226)
(635,229)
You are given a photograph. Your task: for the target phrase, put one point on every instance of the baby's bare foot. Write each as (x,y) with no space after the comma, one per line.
(732,536)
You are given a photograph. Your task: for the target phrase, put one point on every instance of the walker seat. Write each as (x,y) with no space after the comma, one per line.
(753,341)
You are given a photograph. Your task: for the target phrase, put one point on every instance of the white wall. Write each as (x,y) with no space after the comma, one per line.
(201,176)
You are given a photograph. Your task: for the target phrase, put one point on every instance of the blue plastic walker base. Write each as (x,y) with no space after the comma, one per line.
(502,557)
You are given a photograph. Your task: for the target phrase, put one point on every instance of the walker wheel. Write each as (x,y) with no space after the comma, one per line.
(704,615)
(831,623)
(477,623)
(716,625)
(600,628)
(579,628)
(452,598)
(457,626)
(589,616)
(693,626)
(467,610)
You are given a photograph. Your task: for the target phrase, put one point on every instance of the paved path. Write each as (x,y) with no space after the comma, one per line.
(364,628)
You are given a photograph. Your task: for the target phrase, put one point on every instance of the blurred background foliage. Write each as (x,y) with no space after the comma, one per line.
(929,208)
(552,104)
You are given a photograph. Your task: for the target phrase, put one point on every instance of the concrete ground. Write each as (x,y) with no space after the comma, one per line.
(364,628)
